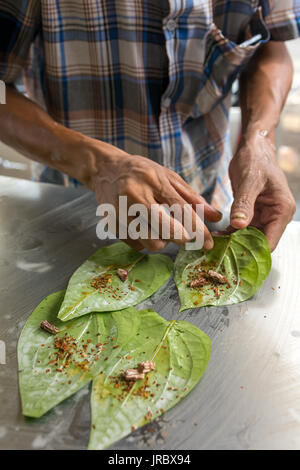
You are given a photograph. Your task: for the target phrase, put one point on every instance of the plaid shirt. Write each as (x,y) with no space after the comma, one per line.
(152,77)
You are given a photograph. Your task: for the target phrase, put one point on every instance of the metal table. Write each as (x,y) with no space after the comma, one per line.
(249,396)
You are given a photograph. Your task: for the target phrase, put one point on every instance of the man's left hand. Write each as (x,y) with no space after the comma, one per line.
(262,197)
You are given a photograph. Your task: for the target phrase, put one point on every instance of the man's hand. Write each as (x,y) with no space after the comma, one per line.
(262,197)
(105,169)
(117,173)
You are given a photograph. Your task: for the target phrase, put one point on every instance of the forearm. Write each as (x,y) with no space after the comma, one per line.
(264,86)
(30,130)
(262,197)
(107,170)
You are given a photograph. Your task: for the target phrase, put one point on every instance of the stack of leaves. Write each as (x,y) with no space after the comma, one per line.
(101,347)
(92,332)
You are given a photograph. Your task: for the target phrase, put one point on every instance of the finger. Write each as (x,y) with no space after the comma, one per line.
(135,244)
(192,222)
(139,232)
(163,226)
(153,245)
(242,210)
(161,229)
(228,231)
(167,227)
(192,197)
(273,232)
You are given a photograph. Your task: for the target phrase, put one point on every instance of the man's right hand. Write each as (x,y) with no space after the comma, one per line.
(116,173)
(108,171)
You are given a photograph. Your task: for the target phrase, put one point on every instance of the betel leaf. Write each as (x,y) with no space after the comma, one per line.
(102,346)
(181,353)
(49,374)
(243,258)
(146,274)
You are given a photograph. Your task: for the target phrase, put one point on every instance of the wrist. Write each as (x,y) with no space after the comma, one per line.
(258,136)
(66,154)
(259,129)
(82,157)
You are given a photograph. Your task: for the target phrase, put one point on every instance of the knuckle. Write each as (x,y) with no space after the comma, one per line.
(128,188)
(151,176)
(172,174)
(289,205)
(242,202)
(286,209)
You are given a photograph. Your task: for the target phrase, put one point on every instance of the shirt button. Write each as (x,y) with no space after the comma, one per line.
(166,102)
(171,25)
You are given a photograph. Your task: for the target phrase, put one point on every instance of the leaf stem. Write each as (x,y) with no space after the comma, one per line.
(223,256)
(135,262)
(163,339)
(128,266)
(158,347)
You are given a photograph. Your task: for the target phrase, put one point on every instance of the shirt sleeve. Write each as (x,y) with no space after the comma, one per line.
(19,24)
(282,19)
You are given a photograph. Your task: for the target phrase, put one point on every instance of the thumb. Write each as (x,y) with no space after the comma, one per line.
(242,210)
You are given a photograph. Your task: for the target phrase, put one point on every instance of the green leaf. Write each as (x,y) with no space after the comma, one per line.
(46,380)
(104,345)
(146,274)
(243,257)
(181,353)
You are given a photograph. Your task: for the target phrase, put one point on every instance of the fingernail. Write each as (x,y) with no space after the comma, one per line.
(239,215)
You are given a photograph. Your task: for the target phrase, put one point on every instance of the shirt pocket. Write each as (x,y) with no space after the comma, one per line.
(224,60)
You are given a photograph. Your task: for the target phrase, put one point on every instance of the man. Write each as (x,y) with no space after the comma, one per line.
(131,97)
